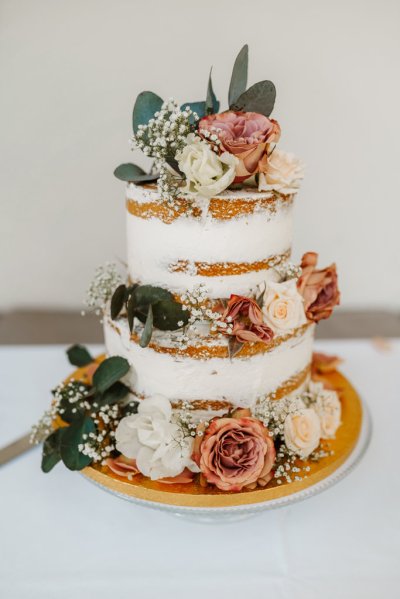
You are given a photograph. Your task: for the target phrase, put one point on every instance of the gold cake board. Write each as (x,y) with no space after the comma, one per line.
(192,495)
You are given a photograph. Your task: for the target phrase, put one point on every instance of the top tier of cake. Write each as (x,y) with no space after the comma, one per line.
(229,243)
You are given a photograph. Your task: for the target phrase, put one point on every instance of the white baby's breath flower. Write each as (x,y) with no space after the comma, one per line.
(207,174)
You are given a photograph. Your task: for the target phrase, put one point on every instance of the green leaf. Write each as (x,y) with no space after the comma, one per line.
(51,451)
(70,438)
(109,372)
(198,107)
(130,308)
(238,82)
(260,98)
(212,104)
(147,294)
(117,301)
(146,105)
(174,165)
(148,329)
(234,347)
(260,299)
(167,314)
(68,415)
(113,394)
(132,172)
(79,356)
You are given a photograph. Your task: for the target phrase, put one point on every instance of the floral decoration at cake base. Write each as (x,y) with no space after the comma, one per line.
(342,452)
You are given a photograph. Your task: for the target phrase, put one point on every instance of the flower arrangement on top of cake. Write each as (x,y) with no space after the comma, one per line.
(199,151)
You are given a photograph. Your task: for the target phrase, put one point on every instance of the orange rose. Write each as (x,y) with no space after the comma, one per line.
(246,135)
(235,453)
(319,288)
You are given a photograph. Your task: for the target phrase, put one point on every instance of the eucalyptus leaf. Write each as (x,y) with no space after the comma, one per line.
(238,82)
(260,299)
(113,394)
(51,451)
(70,411)
(131,172)
(79,356)
(109,372)
(212,104)
(146,105)
(148,294)
(174,165)
(131,308)
(148,329)
(117,301)
(70,438)
(234,347)
(260,98)
(198,107)
(169,315)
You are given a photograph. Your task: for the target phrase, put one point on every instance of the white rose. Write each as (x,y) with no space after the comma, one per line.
(284,173)
(207,174)
(328,408)
(283,306)
(157,444)
(302,432)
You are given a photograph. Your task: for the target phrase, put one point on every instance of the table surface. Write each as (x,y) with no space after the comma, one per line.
(62,538)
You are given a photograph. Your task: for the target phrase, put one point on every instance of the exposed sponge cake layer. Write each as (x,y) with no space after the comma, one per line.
(203,370)
(230,243)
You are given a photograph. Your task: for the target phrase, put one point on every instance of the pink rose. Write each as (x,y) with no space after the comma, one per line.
(319,288)
(238,305)
(123,466)
(246,135)
(235,453)
(243,319)
(126,467)
(256,332)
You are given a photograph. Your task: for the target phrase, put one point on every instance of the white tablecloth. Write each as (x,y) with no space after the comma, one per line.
(62,538)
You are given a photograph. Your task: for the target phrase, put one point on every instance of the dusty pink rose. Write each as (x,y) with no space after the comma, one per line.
(123,466)
(126,467)
(235,453)
(319,288)
(243,319)
(238,305)
(255,332)
(246,135)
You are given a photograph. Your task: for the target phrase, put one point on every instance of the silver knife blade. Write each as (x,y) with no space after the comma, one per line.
(14,449)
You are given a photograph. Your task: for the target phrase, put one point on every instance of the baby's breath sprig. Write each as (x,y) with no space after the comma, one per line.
(163,136)
(199,304)
(288,270)
(106,279)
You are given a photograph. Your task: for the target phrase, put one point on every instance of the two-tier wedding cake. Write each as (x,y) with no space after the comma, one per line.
(209,377)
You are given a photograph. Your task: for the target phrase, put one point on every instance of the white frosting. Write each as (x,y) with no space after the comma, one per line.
(153,246)
(240,381)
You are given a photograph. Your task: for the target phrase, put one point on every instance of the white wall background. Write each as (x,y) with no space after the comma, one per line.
(71,69)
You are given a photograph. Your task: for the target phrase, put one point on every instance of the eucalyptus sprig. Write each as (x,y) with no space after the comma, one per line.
(84,416)
(153,306)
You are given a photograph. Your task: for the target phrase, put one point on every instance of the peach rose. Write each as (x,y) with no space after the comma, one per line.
(246,135)
(235,453)
(319,288)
